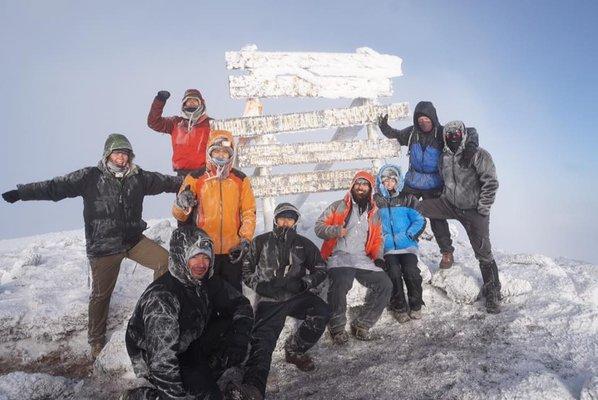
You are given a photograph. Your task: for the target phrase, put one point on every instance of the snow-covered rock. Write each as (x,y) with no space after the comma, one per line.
(542,346)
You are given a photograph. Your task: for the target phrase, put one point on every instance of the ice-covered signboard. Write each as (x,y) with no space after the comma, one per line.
(362,76)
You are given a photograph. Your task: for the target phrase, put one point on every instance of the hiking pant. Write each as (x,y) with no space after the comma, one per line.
(104,273)
(403,268)
(379,289)
(200,365)
(439,226)
(229,272)
(270,318)
(476,225)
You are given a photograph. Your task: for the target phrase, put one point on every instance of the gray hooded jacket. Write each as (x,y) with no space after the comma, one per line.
(468,188)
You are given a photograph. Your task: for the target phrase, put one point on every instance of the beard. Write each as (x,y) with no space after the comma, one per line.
(362,199)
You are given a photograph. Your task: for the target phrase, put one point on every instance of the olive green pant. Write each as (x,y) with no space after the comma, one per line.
(104,273)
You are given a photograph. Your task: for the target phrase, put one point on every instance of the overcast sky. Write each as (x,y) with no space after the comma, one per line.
(522,72)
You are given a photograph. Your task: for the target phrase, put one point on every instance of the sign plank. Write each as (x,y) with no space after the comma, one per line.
(316,152)
(306,182)
(323,119)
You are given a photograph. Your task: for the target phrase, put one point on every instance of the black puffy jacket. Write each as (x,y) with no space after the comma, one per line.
(112,207)
(276,257)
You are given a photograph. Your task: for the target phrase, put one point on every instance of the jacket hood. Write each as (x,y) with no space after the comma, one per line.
(215,135)
(380,186)
(116,141)
(454,125)
(367,176)
(282,207)
(427,109)
(187,242)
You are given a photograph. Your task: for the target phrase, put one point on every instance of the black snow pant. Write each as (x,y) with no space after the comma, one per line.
(341,280)
(403,268)
(439,226)
(230,272)
(477,227)
(201,365)
(270,318)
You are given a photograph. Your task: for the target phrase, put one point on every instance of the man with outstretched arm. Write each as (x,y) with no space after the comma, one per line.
(113,193)
(468,195)
(189,133)
(423,179)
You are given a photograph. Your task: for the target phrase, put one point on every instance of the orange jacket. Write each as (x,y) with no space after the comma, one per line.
(332,220)
(188,145)
(226,207)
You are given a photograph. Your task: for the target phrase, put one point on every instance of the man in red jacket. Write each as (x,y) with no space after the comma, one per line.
(189,133)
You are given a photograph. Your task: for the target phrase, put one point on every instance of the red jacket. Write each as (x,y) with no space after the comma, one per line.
(333,219)
(188,146)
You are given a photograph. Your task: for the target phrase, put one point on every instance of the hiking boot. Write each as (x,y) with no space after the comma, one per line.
(361,332)
(493,301)
(339,338)
(243,391)
(447,261)
(415,314)
(301,360)
(400,316)
(96,349)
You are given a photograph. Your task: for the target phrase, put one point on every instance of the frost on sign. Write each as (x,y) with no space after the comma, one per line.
(323,119)
(316,152)
(364,73)
(303,182)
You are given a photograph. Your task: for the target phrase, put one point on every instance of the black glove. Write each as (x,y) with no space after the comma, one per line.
(163,95)
(467,155)
(11,196)
(295,285)
(380,263)
(383,123)
(237,253)
(236,350)
(186,198)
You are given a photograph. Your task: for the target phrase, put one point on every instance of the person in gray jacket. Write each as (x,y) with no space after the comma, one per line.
(468,194)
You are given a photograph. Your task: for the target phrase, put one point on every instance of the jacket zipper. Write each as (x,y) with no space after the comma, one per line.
(391,227)
(221,215)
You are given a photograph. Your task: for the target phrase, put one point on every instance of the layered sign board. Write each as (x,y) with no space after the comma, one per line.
(316,152)
(365,73)
(305,121)
(304,182)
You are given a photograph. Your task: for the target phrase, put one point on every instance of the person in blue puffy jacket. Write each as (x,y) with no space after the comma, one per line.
(401,225)
(423,179)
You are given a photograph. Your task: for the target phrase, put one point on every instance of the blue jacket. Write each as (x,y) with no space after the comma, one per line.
(401,225)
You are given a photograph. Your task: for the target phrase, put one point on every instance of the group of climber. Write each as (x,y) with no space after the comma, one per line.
(193,322)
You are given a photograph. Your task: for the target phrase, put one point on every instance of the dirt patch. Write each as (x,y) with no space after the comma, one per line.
(57,363)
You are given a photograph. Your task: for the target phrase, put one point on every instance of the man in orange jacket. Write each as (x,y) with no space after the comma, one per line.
(189,133)
(219,200)
(353,249)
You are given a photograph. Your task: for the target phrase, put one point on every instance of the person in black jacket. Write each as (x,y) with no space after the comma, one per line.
(113,195)
(188,326)
(282,266)
(423,179)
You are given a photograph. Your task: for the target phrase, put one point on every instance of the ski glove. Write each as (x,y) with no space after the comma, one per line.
(467,155)
(236,349)
(186,199)
(383,123)
(295,285)
(163,95)
(380,263)
(238,252)
(11,196)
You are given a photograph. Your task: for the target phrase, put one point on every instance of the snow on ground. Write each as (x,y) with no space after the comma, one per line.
(542,346)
